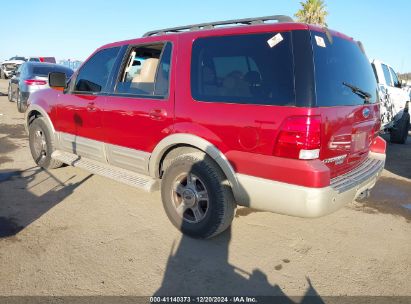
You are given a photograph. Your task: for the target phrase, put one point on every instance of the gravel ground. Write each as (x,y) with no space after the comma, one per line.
(67,232)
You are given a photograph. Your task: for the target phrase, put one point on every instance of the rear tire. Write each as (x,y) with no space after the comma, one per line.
(42,144)
(399,133)
(20,106)
(9,94)
(196,196)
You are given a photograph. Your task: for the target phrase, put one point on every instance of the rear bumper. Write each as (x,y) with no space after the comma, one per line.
(268,195)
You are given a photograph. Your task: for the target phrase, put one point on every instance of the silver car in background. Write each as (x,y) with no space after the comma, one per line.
(31,77)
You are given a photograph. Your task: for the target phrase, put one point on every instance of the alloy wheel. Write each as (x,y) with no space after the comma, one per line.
(190,197)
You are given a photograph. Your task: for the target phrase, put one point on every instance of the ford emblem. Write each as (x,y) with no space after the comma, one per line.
(366,112)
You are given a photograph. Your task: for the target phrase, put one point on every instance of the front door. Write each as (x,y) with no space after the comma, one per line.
(79,108)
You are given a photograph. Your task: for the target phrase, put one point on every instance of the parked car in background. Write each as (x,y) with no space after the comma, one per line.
(7,67)
(31,77)
(281,117)
(394,102)
(42,59)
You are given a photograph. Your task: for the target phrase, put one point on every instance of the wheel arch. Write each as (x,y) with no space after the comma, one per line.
(34,111)
(175,141)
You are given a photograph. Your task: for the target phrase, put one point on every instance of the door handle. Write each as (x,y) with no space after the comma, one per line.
(158,114)
(91,107)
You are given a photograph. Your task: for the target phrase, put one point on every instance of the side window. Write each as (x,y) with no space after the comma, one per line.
(147,71)
(386,75)
(395,78)
(93,76)
(375,72)
(244,69)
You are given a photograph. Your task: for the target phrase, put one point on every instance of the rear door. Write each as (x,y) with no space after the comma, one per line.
(350,120)
(140,110)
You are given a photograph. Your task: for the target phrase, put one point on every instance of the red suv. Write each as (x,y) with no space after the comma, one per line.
(277,116)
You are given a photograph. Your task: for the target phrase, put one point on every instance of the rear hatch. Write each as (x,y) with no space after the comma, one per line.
(346,100)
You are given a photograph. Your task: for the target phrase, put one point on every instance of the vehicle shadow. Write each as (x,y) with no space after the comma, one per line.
(202,268)
(398,159)
(20,206)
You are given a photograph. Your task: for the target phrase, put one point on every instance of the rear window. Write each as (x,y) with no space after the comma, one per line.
(249,69)
(45,70)
(341,61)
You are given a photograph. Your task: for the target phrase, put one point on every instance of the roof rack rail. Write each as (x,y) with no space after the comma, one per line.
(210,25)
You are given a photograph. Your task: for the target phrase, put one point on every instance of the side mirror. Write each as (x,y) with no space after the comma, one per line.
(57,80)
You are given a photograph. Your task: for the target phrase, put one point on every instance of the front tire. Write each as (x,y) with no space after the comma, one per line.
(42,145)
(196,196)
(399,133)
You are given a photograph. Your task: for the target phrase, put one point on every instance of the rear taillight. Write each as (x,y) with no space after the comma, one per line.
(35,82)
(41,59)
(299,137)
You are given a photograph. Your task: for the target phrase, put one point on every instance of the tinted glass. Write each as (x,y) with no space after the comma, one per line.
(375,72)
(252,69)
(387,75)
(45,70)
(341,61)
(34,59)
(147,71)
(395,78)
(163,72)
(94,73)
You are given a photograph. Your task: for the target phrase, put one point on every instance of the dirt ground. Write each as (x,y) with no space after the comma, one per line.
(67,232)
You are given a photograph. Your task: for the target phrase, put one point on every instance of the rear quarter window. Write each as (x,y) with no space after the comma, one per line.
(243,69)
(337,62)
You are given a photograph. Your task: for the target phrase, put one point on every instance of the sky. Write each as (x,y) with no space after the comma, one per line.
(74,29)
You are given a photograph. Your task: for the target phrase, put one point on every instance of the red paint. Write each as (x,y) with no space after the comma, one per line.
(298,133)
(35,82)
(246,134)
(379,145)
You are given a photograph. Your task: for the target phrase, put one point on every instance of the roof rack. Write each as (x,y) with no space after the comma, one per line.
(211,25)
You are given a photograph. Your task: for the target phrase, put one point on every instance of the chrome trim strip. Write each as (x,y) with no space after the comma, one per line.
(364,171)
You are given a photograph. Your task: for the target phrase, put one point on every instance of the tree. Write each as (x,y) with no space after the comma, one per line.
(312,11)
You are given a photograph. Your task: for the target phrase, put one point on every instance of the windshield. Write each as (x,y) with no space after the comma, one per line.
(337,64)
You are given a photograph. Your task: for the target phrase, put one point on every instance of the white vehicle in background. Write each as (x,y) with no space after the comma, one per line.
(8,67)
(394,97)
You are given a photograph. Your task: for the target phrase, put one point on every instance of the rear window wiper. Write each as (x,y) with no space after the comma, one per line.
(356,90)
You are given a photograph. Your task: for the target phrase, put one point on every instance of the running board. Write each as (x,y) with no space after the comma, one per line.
(130,178)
